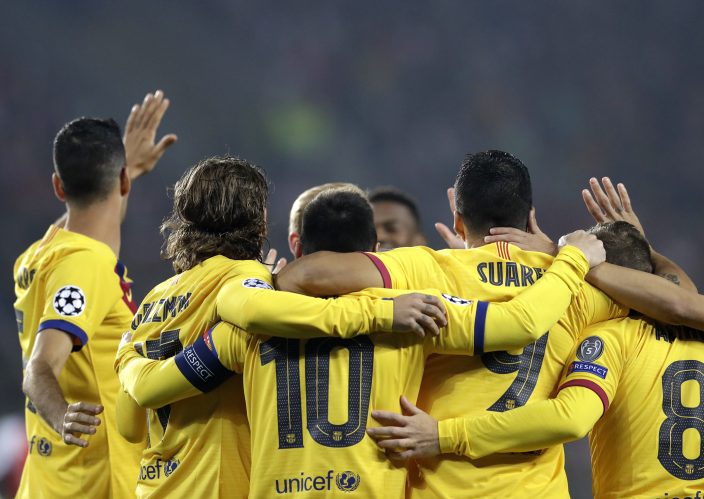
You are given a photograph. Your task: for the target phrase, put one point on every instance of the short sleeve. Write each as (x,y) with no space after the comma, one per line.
(81,290)
(599,359)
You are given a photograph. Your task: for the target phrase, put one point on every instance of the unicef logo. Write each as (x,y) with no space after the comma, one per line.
(590,349)
(170,466)
(44,447)
(347,481)
(69,301)
(456,299)
(256,283)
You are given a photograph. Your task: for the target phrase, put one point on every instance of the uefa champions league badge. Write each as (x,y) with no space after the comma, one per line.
(456,300)
(69,301)
(590,349)
(256,283)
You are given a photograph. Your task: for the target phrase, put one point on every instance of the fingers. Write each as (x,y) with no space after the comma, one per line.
(131,118)
(85,407)
(387,432)
(435,308)
(279,265)
(593,207)
(625,198)
(389,418)
(533,224)
(450,238)
(73,440)
(80,418)
(396,444)
(603,200)
(428,325)
(408,408)
(614,198)
(270,257)
(166,142)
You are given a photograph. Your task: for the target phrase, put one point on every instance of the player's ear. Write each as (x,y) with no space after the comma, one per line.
(376,247)
(458,225)
(125,182)
(58,187)
(293,238)
(297,249)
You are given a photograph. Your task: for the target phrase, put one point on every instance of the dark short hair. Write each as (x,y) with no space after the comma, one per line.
(493,189)
(88,157)
(393,195)
(219,209)
(624,245)
(338,220)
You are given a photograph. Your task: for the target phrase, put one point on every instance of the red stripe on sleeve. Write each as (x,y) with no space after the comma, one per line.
(508,252)
(591,386)
(385,276)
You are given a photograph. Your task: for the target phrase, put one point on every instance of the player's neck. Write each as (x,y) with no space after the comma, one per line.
(99,221)
(473,240)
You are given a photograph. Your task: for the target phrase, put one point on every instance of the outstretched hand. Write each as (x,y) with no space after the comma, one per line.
(452,240)
(419,313)
(533,239)
(141,151)
(411,435)
(609,204)
(80,419)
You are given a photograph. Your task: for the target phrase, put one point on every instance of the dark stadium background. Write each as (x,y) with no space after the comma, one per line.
(392,92)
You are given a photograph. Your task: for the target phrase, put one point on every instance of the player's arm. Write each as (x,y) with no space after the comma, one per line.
(131,419)
(482,326)
(193,371)
(248,304)
(326,273)
(542,424)
(40,384)
(650,294)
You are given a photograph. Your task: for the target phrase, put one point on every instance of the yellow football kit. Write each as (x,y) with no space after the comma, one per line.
(75,284)
(493,382)
(646,380)
(202,446)
(331,455)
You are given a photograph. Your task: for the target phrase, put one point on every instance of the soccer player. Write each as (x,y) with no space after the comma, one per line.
(303,199)
(396,218)
(329,456)
(74,302)
(637,383)
(214,237)
(493,189)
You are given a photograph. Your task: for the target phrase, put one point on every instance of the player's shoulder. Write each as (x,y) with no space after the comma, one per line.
(500,251)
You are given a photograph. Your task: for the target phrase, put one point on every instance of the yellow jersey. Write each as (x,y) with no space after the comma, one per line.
(498,381)
(332,455)
(195,447)
(650,441)
(73,283)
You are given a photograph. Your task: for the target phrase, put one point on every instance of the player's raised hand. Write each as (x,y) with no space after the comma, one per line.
(271,261)
(452,240)
(592,248)
(140,134)
(80,419)
(533,239)
(411,435)
(609,204)
(419,313)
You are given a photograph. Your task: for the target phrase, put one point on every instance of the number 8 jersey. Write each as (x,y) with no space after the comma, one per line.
(650,441)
